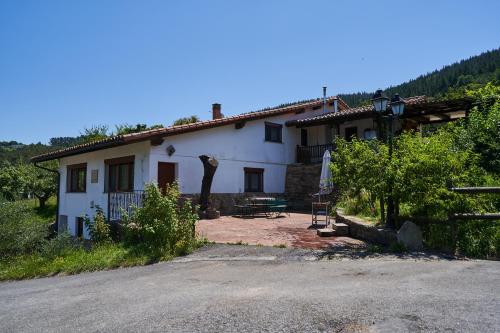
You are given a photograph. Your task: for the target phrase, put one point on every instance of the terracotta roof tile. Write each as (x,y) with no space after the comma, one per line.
(367,109)
(179,129)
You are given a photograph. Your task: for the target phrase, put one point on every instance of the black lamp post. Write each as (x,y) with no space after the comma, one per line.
(380,102)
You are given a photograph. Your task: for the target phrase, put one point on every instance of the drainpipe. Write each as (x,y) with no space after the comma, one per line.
(58,190)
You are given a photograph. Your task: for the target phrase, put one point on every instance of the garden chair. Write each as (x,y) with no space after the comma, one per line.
(242,207)
(277,207)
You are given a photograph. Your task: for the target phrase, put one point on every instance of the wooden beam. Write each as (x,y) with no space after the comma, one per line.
(239,125)
(156,141)
(491,189)
(486,216)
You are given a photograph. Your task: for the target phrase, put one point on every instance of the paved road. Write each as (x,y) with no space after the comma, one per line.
(227,288)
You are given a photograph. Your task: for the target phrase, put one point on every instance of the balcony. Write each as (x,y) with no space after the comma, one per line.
(312,154)
(118,202)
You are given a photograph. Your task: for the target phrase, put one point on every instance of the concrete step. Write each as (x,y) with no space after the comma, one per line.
(340,229)
(325,232)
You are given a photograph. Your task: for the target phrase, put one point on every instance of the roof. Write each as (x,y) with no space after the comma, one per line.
(159,133)
(351,113)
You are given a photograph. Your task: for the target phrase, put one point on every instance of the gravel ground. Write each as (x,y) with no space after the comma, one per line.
(231,288)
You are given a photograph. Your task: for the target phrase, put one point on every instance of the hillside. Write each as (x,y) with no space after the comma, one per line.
(478,69)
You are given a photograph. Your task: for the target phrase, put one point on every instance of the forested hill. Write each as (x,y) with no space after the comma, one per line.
(478,69)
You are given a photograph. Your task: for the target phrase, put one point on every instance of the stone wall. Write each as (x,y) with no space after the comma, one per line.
(361,229)
(301,182)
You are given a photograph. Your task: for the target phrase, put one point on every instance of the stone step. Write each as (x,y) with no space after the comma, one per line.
(326,232)
(340,229)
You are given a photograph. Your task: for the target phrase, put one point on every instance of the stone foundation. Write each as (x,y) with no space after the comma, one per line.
(302,181)
(224,202)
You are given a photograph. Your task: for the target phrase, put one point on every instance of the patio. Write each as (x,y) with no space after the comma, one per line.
(293,231)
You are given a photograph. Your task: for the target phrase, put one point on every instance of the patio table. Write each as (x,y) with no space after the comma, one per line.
(261,204)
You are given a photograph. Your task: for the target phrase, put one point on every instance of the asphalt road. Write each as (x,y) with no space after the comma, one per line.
(242,288)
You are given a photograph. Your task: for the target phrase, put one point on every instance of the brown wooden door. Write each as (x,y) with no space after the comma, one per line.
(166,174)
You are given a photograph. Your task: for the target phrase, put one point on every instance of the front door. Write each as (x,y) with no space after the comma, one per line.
(303,137)
(166,174)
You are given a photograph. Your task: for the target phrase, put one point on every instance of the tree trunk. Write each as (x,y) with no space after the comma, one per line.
(42,201)
(382,209)
(209,166)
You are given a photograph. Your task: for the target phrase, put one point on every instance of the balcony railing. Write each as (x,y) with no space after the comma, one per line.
(123,201)
(312,154)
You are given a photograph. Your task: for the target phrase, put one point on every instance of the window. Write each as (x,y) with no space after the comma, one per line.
(254,180)
(120,174)
(273,132)
(76,178)
(351,132)
(369,134)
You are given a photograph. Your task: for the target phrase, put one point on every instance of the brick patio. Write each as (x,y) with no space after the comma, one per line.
(293,231)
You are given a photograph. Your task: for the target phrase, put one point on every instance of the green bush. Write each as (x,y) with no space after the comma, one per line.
(21,230)
(98,228)
(420,171)
(59,246)
(163,225)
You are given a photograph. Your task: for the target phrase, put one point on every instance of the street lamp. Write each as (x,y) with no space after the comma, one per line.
(397,105)
(380,102)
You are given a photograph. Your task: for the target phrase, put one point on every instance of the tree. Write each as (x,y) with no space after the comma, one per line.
(12,183)
(41,183)
(16,182)
(128,129)
(94,133)
(186,120)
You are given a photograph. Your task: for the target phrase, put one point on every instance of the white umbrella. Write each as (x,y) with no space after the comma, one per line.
(325,180)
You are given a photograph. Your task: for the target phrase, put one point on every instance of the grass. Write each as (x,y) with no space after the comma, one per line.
(74,261)
(48,213)
(78,260)
(64,255)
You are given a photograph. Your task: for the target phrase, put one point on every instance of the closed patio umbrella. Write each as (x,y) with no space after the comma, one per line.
(325,181)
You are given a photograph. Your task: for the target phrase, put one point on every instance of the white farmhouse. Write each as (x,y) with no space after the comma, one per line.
(255,150)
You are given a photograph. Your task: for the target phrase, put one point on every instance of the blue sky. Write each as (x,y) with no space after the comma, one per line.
(66,65)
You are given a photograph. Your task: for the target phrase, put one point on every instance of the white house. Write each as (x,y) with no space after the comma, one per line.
(253,149)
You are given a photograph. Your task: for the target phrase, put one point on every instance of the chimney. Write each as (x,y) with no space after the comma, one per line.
(216,111)
(335,105)
(324,99)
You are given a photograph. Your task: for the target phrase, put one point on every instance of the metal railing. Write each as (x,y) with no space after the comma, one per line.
(123,201)
(312,154)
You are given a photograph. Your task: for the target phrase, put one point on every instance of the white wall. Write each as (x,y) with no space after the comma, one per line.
(361,124)
(235,149)
(78,204)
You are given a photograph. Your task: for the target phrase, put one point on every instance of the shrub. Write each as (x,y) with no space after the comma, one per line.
(99,230)
(162,224)
(21,230)
(58,246)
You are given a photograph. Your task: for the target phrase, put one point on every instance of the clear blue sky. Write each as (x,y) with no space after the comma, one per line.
(66,65)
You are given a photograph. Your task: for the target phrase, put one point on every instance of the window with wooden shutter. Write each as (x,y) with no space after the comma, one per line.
(76,180)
